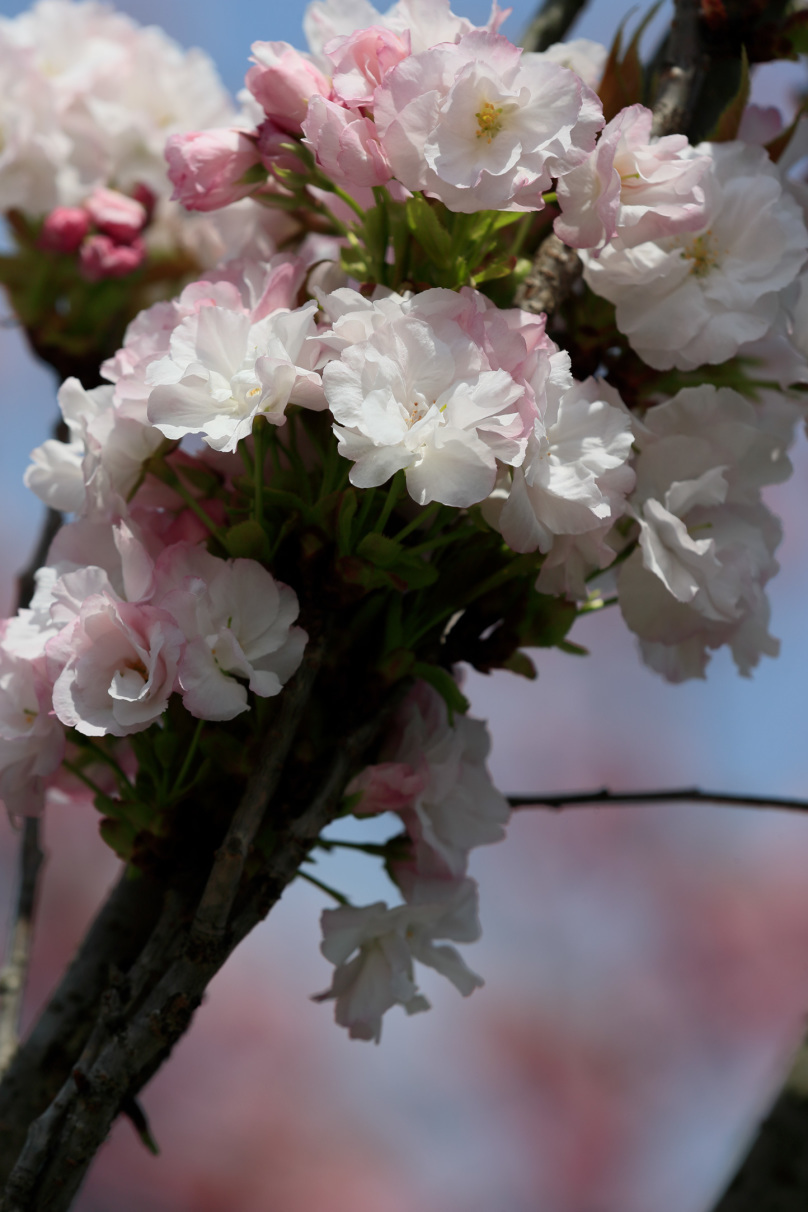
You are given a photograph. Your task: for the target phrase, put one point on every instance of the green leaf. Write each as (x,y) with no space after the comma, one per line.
(119,836)
(622,80)
(248,540)
(779,144)
(547,621)
(441,680)
(726,128)
(428,230)
(520,662)
(572,649)
(380,550)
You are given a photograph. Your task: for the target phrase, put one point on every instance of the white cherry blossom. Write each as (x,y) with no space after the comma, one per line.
(691,299)
(222,371)
(482,126)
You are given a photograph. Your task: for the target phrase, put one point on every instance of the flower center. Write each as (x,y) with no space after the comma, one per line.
(489,121)
(703,253)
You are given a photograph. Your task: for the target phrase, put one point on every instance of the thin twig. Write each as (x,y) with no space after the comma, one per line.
(581,799)
(551,23)
(15,970)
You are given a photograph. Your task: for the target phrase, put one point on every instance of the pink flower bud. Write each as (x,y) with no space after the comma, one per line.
(64,229)
(347,145)
(101,257)
(273,148)
(282,82)
(116,215)
(208,168)
(362,60)
(146,197)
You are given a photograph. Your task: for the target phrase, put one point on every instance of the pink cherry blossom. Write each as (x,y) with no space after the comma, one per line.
(102,257)
(282,82)
(116,215)
(115,667)
(346,144)
(362,60)
(208,167)
(64,229)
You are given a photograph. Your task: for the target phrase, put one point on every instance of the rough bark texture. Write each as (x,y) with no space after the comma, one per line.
(551,23)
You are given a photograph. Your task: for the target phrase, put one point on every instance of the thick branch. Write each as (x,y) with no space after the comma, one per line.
(551,23)
(43,1061)
(683,72)
(556,269)
(774,1173)
(581,799)
(62,1143)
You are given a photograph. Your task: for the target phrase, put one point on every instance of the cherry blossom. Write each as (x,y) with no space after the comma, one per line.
(692,299)
(380,975)
(482,126)
(237,621)
(114,667)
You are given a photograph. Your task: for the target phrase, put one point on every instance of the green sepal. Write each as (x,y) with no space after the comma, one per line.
(520,663)
(428,230)
(248,540)
(547,621)
(441,680)
(119,836)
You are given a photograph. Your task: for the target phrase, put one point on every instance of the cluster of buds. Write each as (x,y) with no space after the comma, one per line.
(105,232)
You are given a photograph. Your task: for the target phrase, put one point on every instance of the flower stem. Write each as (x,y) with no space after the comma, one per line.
(310,879)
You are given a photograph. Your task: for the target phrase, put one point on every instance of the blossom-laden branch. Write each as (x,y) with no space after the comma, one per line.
(583,799)
(556,266)
(551,23)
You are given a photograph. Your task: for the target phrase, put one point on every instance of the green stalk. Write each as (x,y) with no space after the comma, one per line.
(189,757)
(339,897)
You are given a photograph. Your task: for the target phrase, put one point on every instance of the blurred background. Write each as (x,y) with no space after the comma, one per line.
(646,968)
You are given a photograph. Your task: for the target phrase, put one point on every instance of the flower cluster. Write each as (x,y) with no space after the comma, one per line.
(351,422)
(88,99)
(434,777)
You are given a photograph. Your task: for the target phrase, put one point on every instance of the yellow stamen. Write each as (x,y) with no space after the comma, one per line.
(489,122)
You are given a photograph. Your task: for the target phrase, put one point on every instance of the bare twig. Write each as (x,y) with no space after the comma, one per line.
(581,799)
(551,23)
(683,72)
(14,973)
(15,970)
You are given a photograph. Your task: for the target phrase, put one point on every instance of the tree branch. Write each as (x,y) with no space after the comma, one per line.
(15,970)
(63,1141)
(220,891)
(551,23)
(695,795)
(683,72)
(41,1064)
